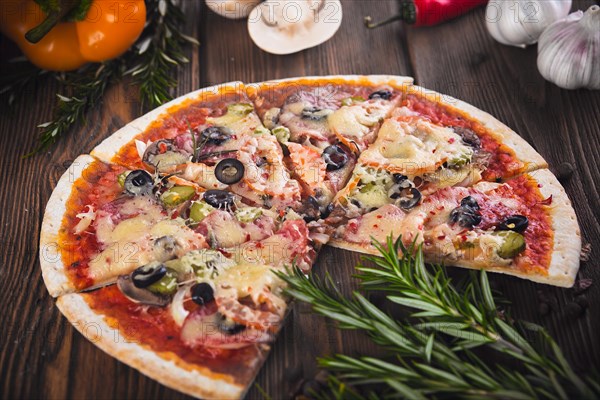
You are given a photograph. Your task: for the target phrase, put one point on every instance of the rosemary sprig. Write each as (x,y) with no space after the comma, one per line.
(87,87)
(435,352)
(158,51)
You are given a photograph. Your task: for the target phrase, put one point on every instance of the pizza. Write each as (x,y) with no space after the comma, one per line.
(163,244)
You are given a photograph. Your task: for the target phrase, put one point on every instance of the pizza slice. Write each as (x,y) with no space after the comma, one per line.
(178,280)
(212,138)
(323,123)
(524,227)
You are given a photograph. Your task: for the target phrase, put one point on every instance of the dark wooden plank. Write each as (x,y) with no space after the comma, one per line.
(564,126)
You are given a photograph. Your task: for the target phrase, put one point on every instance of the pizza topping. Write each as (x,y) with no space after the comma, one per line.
(315,113)
(229,171)
(408,201)
(165,248)
(200,210)
(215,331)
(163,155)
(139,182)
(468,136)
(146,275)
(139,295)
(177,195)
(467,214)
(216,135)
(335,157)
(85,219)
(281,133)
(202,293)
(516,223)
(167,285)
(349,101)
(381,94)
(219,199)
(248,214)
(513,243)
(250,294)
(271,117)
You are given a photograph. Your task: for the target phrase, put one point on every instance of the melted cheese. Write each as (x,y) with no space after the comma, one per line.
(249,279)
(415,146)
(128,244)
(358,120)
(379,224)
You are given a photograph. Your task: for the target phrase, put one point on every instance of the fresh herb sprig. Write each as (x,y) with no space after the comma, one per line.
(159,51)
(87,87)
(435,352)
(150,63)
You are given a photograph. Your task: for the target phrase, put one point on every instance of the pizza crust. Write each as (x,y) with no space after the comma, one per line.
(193,380)
(106,150)
(398,82)
(53,268)
(524,152)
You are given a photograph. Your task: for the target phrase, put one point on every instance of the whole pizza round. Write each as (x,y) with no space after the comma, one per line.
(161,244)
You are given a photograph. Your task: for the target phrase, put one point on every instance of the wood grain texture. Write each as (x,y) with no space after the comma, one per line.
(42,356)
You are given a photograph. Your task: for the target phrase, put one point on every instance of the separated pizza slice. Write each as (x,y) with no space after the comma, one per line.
(524,227)
(324,122)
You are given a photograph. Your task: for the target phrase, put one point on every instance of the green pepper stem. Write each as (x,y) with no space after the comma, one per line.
(54,16)
(36,34)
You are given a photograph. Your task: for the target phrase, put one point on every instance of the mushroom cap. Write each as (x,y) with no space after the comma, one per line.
(291,26)
(232,9)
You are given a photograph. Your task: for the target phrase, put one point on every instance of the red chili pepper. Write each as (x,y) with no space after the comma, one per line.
(429,12)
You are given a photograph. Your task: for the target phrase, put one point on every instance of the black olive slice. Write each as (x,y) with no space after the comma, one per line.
(230,327)
(467,214)
(314,113)
(469,202)
(229,171)
(399,178)
(335,157)
(138,182)
(148,274)
(202,293)
(215,135)
(219,198)
(406,203)
(517,223)
(381,94)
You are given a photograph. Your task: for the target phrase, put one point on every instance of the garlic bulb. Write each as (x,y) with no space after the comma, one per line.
(569,51)
(521,22)
(233,9)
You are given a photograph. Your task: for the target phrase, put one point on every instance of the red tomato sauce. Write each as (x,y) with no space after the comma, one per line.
(176,121)
(503,162)
(97,186)
(154,328)
(538,235)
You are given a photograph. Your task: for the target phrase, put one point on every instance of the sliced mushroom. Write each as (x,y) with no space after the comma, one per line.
(163,155)
(291,26)
(165,248)
(138,295)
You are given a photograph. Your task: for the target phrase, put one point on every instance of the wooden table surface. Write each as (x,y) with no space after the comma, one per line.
(43,356)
